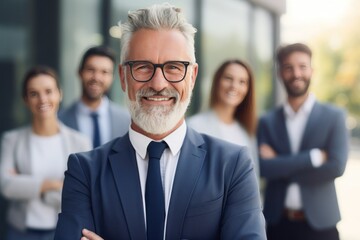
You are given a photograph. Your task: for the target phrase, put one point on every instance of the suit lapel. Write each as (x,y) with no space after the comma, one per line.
(311,125)
(23,159)
(125,172)
(72,121)
(281,132)
(187,173)
(113,122)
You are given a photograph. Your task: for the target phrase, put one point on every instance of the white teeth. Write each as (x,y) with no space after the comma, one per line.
(44,107)
(232,93)
(158,99)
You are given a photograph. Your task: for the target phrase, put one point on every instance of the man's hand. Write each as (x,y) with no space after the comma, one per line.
(51,185)
(266,152)
(324,156)
(89,235)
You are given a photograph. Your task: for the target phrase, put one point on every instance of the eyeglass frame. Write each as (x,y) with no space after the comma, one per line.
(157,65)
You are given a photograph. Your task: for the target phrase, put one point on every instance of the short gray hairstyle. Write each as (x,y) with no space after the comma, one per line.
(157,17)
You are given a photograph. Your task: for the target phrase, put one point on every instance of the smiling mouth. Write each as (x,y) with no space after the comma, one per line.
(232,94)
(44,107)
(158,99)
(297,82)
(94,86)
(150,96)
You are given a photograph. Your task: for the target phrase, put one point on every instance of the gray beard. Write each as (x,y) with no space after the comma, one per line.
(157,119)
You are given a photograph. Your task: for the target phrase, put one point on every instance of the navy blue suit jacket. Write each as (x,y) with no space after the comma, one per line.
(214,196)
(325,130)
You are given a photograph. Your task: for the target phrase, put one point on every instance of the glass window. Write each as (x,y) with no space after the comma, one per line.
(16,31)
(263,57)
(80,29)
(224,36)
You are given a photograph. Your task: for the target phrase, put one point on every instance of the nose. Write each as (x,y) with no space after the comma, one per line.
(297,72)
(42,97)
(234,83)
(98,75)
(158,81)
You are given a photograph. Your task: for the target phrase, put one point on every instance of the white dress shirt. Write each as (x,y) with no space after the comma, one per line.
(168,161)
(85,121)
(295,124)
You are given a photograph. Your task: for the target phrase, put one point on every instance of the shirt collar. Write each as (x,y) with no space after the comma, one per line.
(304,109)
(173,140)
(102,108)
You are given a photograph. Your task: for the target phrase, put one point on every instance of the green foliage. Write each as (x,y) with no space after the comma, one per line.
(336,64)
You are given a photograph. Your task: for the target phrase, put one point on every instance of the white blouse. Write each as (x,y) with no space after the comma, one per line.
(209,123)
(47,162)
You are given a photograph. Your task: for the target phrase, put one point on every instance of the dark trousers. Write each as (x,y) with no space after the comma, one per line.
(299,230)
(30,234)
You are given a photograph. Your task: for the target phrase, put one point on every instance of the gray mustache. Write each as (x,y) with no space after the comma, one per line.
(149,92)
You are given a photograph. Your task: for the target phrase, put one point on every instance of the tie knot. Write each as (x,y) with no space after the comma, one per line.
(94,115)
(155,149)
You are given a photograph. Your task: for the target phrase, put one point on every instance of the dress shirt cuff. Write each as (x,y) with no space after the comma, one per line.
(316,157)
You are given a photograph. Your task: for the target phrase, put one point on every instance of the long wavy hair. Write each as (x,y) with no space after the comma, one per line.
(245,112)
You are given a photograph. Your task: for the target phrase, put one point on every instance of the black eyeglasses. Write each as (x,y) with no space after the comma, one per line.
(143,71)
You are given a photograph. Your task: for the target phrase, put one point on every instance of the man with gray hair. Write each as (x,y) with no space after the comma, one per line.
(162,180)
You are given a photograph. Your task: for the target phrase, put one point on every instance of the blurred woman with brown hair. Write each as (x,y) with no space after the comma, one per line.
(232,113)
(33,160)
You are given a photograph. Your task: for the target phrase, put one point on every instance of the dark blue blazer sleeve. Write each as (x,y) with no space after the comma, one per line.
(76,211)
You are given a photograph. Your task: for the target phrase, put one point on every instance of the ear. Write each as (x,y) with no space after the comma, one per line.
(122,77)
(195,70)
(79,73)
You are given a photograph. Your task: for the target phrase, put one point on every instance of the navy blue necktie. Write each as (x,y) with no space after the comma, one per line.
(154,193)
(96,132)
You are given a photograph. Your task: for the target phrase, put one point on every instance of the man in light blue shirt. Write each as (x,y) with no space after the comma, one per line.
(96,75)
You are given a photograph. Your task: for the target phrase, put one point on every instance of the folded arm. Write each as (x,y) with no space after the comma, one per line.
(76,210)
(242,214)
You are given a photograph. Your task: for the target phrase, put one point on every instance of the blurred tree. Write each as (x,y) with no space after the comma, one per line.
(337,64)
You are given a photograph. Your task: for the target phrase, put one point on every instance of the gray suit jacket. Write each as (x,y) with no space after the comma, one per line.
(119,117)
(214,194)
(325,130)
(20,188)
